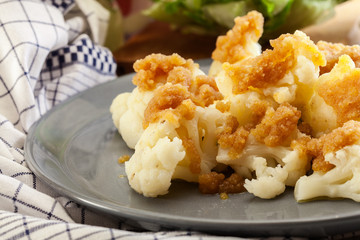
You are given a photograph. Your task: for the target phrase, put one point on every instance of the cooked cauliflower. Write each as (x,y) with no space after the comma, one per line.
(249,107)
(269,181)
(339,177)
(155,70)
(239,43)
(264,154)
(336,98)
(333,51)
(285,73)
(174,148)
(268,170)
(175,113)
(340,182)
(158,152)
(127,111)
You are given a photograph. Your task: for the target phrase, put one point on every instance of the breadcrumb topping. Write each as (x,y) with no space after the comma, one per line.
(258,110)
(339,138)
(271,66)
(209,182)
(340,90)
(277,126)
(233,137)
(169,101)
(333,51)
(155,68)
(261,71)
(192,152)
(204,91)
(123,158)
(231,47)
(223,106)
(213,182)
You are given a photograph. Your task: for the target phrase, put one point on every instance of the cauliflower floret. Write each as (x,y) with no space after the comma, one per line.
(268,170)
(127,111)
(249,107)
(336,99)
(336,165)
(153,71)
(200,138)
(269,181)
(156,156)
(343,181)
(181,149)
(118,107)
(239,43)
(285,73)
(333,51)
(264,154)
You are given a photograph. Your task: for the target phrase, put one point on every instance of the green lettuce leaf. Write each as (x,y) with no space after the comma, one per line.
(217,16)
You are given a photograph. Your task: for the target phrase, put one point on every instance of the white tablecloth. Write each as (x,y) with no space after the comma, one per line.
(50,50)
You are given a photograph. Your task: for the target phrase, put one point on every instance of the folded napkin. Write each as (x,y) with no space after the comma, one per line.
(44,60)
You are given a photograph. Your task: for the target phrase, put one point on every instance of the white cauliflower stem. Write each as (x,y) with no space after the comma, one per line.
(273,168)
(156,156)
(269,181)
(343,181)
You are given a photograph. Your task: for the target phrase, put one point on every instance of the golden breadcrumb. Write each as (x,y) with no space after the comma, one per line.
(233,137)
(231,47)
(155,68)
(123,158)
(258,109)
(213,182)
(180,75)
(204,91)
(169,98)
(340,90)
(317,148)
(277,126)
(209,182)
(223,106)
(300,144)
(192,152)
(232,184)
(261,71)
(305,128)
(271,66)
(224,196)
(333,51)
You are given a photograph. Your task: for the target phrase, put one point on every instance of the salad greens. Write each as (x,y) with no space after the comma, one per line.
(217,16)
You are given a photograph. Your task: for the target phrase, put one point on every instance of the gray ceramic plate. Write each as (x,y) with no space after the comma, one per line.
(75,147)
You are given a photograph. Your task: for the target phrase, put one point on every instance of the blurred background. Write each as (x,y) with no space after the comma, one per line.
(191,27)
